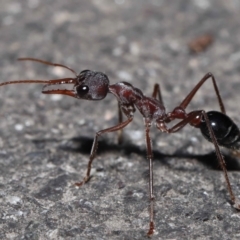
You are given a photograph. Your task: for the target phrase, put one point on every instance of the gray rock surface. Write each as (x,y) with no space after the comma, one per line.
(45,140)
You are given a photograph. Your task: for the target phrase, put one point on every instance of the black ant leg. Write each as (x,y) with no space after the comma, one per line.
(95,145)
(157,93)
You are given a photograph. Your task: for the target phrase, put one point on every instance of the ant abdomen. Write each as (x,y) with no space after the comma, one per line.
(225,130)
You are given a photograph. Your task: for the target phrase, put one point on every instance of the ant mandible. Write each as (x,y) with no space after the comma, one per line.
(215,126)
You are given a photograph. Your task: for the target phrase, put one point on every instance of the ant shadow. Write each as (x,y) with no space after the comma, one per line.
(83,145)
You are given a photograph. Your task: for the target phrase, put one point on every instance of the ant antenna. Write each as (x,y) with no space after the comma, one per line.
(47,63)
(48,82)
(24,81)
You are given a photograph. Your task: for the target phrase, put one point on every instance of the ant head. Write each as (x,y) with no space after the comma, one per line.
(91,85)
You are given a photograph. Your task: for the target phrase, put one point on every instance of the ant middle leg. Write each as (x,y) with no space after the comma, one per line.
(150,162)
(95,145)
(157,93)
(120,119)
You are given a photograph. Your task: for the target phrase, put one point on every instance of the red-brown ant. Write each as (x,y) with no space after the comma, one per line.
(215,126)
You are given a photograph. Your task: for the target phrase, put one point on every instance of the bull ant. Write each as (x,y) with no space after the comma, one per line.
(215,126)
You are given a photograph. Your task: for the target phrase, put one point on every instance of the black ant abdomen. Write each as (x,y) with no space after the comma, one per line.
(225,130)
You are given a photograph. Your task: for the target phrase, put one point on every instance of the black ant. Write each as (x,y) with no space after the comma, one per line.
(215,126)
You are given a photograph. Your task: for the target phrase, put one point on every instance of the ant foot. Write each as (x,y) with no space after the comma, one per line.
(79,184)
(151,229)
(85,180)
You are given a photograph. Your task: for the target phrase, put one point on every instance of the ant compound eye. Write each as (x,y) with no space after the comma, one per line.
(82,90)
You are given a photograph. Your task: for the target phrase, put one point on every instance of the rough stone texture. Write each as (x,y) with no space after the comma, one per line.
(45,140)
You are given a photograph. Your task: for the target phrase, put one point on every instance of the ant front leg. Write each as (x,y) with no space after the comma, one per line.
(95,145)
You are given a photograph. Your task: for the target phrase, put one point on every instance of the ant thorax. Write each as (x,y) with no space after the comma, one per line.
(127,95)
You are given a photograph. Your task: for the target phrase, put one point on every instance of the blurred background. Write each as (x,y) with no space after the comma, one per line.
(45,140)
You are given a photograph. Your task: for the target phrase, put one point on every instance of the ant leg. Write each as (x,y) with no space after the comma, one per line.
(120,119)
(189,97)
(150,157)
(95,145)
(190,118)
(157,93)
